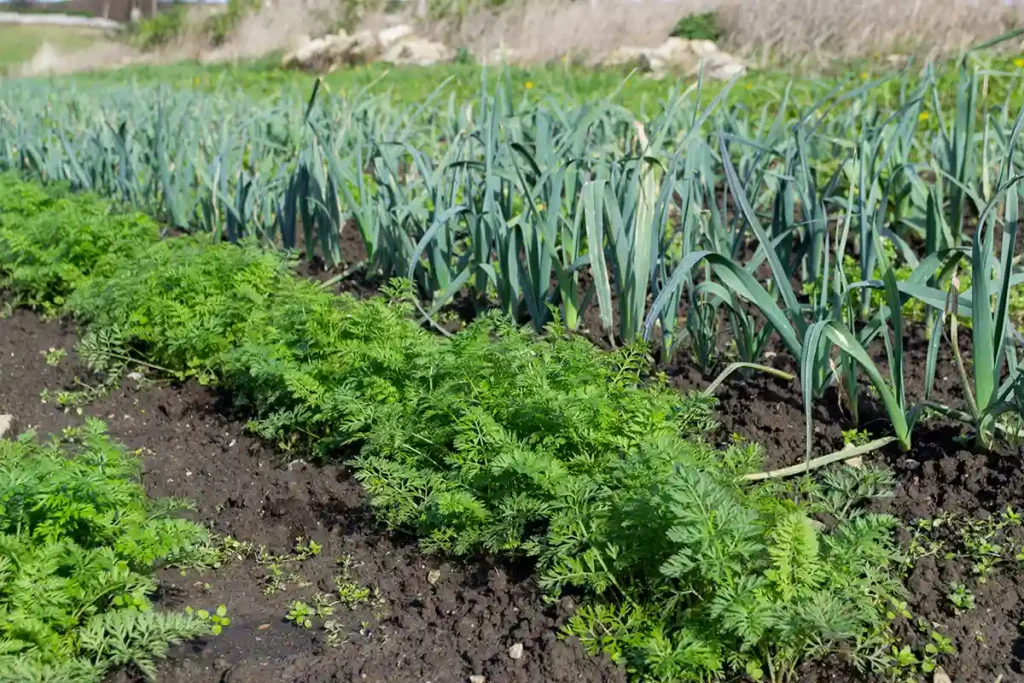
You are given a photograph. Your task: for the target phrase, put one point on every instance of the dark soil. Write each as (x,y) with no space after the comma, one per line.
(941,476)
(461,623)
(433,621)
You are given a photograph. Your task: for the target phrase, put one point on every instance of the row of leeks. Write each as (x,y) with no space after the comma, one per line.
(545,210)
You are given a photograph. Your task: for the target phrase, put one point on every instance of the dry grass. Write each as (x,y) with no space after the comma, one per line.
(788,33)
(766,31)
(820,30)
(278,27)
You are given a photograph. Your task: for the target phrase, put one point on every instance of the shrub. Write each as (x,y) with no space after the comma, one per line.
(703,26)
(218,26)
(173,23)
(78,543)
(161,29)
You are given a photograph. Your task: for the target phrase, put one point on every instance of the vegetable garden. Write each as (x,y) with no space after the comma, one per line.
(735,391)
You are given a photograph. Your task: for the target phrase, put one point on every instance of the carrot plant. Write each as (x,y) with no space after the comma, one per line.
(80,540)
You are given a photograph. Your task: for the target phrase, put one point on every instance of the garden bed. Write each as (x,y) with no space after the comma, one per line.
(498,502)
(463,623)
(441,628)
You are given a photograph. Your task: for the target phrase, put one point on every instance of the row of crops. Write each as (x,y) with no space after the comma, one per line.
(841,221)
(494,441)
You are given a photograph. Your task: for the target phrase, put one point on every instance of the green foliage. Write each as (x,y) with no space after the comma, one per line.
(218,26)
(961,597)
(172,23)
(300,614)
(748,581)
(161,29)
(178,305)
(702,26)
(496,440)
(79,542)
(218,620)
(51,245)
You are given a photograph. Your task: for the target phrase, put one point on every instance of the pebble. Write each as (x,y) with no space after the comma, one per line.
(516,651)
(5,424)
(433,576)
(478,679)
(940,676)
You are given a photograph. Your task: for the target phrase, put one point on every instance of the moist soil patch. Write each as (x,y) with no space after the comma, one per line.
(428,619)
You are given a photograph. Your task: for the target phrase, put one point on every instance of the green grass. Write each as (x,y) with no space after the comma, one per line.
(19,43)
(564,83)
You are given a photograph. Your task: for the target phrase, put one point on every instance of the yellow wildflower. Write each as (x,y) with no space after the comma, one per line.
(529,85)
(923,116)
(864,76)
(1019,62)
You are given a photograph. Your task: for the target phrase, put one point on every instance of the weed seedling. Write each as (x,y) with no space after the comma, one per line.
(856,437)
(939,645)
(961,597)
(218,620)
(300,614)
(54,356)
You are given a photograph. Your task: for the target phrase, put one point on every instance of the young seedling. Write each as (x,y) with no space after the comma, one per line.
(218,620)
(961,597)
(54,356)
(300,614)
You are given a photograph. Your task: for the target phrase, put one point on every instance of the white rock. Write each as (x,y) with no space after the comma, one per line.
(624,56)
(678,55)
(417,51)
(721,66)
(516,651)
(478,679)
(5,424)
(897,61)
(330,52)
(502,55)
(311,49)
(940,676)
(433,576)
(390,36)
(362,48)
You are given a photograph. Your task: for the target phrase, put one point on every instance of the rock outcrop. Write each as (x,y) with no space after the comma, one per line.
(401,45)
(678,55)
(396,45)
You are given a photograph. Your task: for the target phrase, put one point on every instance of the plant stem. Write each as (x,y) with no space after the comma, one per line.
(733,367)
(845,454)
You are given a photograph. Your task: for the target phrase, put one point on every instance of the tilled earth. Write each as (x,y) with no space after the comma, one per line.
(425,620)
(431,620)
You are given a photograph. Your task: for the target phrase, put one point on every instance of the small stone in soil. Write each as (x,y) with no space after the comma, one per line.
(477,679)
(516,651)
(433,576)
(5,424)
